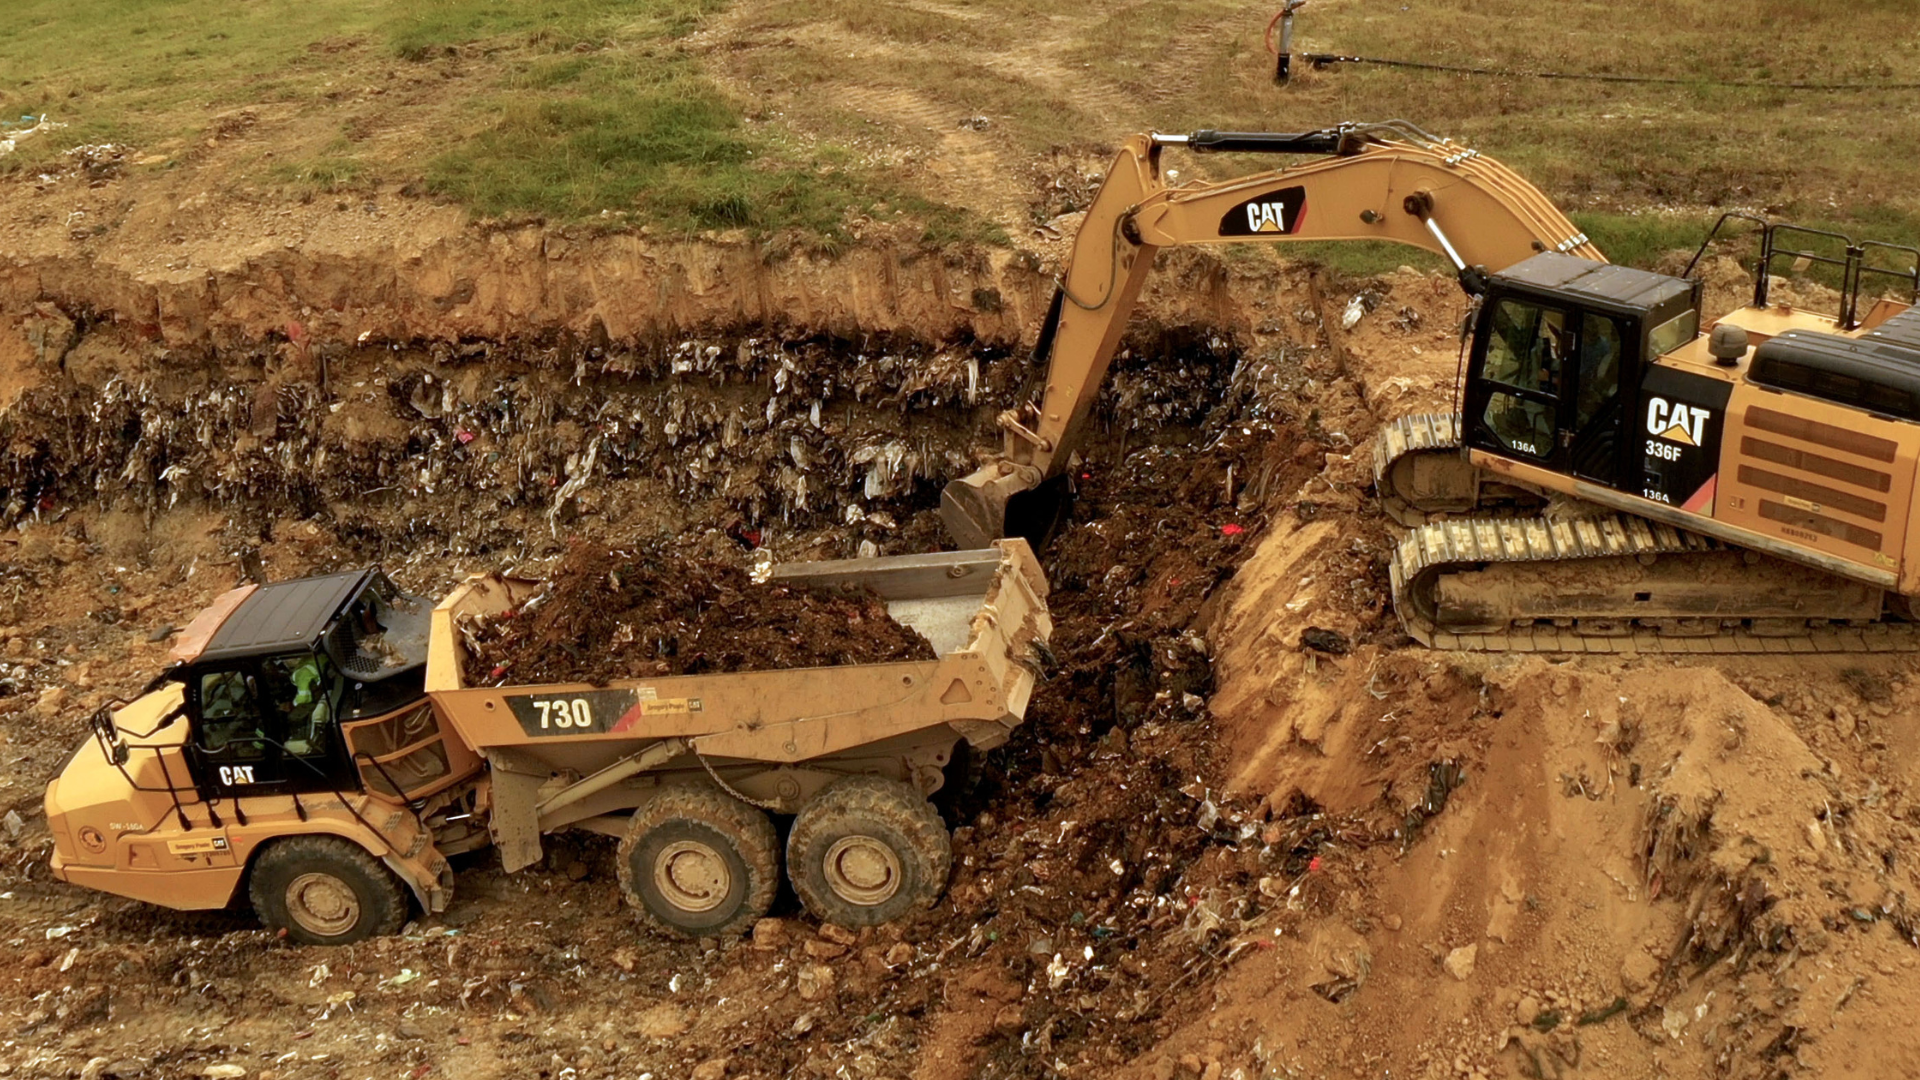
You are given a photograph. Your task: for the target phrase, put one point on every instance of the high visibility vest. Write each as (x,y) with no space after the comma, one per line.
(305,678)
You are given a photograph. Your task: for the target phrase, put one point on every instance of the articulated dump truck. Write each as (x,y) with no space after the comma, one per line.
(314,750)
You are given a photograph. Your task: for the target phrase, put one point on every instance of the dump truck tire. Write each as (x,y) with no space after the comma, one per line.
(699,863)
(868,850)
(323,890)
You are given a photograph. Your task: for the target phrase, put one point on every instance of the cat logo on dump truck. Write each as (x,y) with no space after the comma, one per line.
(1279,213)
(209,845)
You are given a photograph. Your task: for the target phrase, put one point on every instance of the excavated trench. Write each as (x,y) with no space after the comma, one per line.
(1089,843)
(423,435)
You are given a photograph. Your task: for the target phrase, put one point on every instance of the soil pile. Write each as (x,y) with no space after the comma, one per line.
(612,613)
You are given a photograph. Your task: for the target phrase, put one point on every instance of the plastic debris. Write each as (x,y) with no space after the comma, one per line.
(39,126)
(1356,307)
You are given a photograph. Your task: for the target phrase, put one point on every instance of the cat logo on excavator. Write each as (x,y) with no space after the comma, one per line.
(1278,213)
(1677,422)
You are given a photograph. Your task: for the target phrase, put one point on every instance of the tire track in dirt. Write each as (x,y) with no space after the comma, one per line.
(966,167)
(961,165)
(1173,76)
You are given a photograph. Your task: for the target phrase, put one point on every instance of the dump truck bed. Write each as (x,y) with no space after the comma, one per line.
(776,735)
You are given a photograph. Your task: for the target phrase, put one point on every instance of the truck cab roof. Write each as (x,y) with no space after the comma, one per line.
(282,617)
(307,614)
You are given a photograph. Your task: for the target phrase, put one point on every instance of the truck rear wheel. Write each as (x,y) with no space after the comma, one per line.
(700,863)
(868,850)
(323,890)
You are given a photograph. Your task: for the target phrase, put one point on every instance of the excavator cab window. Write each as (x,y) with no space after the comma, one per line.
(1526,347)
(1547,384)
(1599,382)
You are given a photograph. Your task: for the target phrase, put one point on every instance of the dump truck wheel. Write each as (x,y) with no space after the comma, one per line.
(868,850)
(323,890)
(700,863)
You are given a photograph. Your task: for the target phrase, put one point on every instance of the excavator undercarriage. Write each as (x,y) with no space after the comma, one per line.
(1486,565)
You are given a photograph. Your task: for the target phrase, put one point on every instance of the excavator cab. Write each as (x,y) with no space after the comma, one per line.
(1561,349)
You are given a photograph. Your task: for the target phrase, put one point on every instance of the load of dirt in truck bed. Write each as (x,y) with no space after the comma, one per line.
(648,610)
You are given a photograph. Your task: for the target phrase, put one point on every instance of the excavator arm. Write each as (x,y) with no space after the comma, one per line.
(1377,182)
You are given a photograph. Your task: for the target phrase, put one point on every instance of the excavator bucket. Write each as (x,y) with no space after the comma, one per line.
(974,509)
(998,501)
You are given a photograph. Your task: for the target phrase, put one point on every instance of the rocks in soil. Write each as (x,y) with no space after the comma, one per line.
(1459,963)
(814,982)
(661,1022)
(647,610)
(1327,641)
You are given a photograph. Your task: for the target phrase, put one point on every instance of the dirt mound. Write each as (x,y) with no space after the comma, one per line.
(1646,867)
(613,613)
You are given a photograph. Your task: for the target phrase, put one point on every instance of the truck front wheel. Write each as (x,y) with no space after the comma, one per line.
(868,850)
(699,863)
(323,890)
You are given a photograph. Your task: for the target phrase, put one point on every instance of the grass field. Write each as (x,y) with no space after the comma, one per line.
(688,115)
(565,109)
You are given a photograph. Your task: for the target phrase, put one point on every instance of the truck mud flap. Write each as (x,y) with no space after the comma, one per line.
(515,822)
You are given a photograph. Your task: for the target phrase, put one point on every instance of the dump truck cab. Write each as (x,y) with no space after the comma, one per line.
(267,691)
(296,709)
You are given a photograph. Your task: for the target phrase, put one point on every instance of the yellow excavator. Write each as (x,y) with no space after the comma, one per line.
(1617,478)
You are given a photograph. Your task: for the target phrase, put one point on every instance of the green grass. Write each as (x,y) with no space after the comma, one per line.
(419,30)
(805,114)
(323,174)
(1639,161)
(134,71)
(571,137)
(564,109)
(1636,162)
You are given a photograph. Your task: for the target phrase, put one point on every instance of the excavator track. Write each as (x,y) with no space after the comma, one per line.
(1428,553)
(1490,547)
(1416,433)
(1420,475)
(1395,451)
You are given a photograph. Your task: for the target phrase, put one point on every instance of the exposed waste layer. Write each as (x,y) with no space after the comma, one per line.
(646,610)
(479,448)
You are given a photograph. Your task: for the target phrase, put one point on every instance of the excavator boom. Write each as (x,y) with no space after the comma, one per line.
(1388,182)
